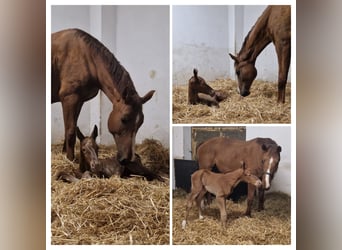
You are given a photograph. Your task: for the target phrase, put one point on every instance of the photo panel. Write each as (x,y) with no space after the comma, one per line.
(225,64)
(109,125)
(231,181)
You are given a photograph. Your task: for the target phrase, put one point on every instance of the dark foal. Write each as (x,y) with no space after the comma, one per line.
(200,92)
(90,165)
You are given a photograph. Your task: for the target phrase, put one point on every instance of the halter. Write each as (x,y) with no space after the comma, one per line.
(267,173)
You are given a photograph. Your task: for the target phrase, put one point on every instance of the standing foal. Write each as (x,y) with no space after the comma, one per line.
(221,185)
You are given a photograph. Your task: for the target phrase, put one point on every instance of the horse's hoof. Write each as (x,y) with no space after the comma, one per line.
(183,224)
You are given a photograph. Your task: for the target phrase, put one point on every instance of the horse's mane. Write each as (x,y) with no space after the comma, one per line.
(118,73)
(260,22)
(266,141)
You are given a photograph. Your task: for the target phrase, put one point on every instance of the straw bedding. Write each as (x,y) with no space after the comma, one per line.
(259,107)
(114,210)
(270,226)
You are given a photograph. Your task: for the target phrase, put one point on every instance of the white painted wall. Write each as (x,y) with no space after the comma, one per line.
(203,36)
(281,134)
(200,40)
(141,44)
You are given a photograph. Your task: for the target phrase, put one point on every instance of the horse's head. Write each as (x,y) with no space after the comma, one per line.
(245,71)
(124,121)
(248,177)
(198,85)
(88,150)
(270,161)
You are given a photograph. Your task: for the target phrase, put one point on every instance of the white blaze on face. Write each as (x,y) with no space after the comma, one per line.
(268,172)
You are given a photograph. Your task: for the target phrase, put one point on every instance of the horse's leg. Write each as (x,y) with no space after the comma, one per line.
(189,203)
(261,192)
(71,110)
(199,200)
(206,161)
(221,202)
(283,49)
(250,197)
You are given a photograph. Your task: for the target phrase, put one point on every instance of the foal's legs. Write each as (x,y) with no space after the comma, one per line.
(189,203)
(71,110)
(199,201)
(221,202)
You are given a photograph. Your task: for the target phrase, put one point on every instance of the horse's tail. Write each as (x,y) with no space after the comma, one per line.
(197,146)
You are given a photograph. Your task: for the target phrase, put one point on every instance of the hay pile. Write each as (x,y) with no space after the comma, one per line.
(114,210)
(259,107)
(270,226)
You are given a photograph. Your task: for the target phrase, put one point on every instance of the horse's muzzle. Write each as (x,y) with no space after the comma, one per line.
(244,93)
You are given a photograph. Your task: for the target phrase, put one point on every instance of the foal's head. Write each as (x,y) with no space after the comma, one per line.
(88,150)
(198,85)
(248,177)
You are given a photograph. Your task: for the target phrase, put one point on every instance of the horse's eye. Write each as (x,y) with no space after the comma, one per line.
(238,72)
(124,119)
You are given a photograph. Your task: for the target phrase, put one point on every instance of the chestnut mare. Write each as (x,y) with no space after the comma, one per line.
(221,185)
(261,156)
(80,67)
(90,165)
(274,25)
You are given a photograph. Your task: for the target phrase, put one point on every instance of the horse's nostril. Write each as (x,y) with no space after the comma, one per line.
(245,93)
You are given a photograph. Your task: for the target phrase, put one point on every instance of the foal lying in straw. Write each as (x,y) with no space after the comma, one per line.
(90,165)
(221,185)
(200,92)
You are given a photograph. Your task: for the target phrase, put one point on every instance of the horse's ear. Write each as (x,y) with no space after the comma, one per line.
(195,73)
(279,149)
(79,134)
(94,133)
(234,57)
(147,97)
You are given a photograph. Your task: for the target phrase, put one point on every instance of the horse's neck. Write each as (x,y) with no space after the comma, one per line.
(233,177)
(114,86)
(109,88)
(257,38)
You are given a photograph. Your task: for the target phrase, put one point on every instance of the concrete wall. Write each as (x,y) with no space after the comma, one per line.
(203,36)
(200,40)
(141,44)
